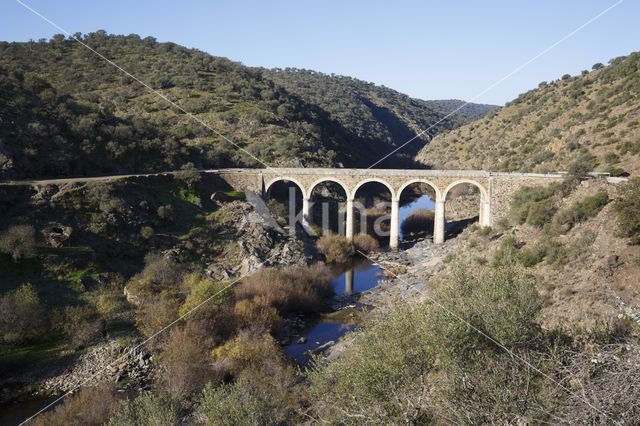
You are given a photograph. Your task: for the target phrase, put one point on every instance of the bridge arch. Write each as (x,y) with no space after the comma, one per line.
(412,181)
(285,179)
(327,179)
(368,180)
(483,191)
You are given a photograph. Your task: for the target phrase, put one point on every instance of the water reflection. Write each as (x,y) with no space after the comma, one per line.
(424,202)
(354,277)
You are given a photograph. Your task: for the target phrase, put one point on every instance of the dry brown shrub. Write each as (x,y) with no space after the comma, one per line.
(157,313)
(365,243)
(256,311)
(185,363)
(418,222)
(251,347)
(292,288)
(89,406)
(336,248)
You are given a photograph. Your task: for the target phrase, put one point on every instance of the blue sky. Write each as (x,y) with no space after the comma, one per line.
(426,49)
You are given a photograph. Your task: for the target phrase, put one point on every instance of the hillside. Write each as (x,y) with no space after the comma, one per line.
(594,114)
(64,111)
(377,113)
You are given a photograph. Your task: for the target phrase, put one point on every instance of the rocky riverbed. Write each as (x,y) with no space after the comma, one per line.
(407,272)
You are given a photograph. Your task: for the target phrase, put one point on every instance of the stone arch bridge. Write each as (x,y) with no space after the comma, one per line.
(495,189)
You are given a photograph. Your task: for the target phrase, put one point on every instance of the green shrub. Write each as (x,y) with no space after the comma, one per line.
(437,346)
(533,204)
(157,312)
(506,253)
(580,211)
(616,171)
(203,289)
(582,166)
(233,404)
(627,207)
(531,257)
(485,231)
(540,212)
(336,248)
(146,232)
(147,410)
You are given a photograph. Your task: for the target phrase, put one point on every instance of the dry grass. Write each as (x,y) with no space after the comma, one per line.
(291,288)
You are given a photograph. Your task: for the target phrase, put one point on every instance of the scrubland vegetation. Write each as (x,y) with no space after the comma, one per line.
(544,129)
(68,113)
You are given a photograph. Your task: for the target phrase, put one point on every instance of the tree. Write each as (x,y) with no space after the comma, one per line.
(189,174)
(19,241)
(22,316)
(597,66)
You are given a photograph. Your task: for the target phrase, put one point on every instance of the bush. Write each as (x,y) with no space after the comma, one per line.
(336,248)
(616,171)
(157,313)
(365,243)
(540,212)
(147,409)
(189,175)
(18,241)
(264,387)
(627,207)
(89,406)
(288,289)
(419,221)
(81,324)
(582,166)
(580,211)
(22,316)
(185,363)
(234,404)
(425,347)
(203,289)
(533,204)
(146,232)
(256,311)
(251,346)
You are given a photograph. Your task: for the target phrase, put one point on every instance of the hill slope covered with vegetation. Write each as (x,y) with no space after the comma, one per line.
(65,111)
(595,115)
(378,113)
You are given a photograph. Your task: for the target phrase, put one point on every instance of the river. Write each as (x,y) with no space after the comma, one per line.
(351,279)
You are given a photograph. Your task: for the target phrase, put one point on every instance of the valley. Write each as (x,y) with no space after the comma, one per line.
(153,272)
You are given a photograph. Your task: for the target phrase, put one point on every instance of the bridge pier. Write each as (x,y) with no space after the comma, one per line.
(307,214)
(349,227)
(394,235)
(439,222)
(485,213)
